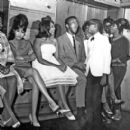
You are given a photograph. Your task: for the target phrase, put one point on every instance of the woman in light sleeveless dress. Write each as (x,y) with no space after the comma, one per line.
(52,70)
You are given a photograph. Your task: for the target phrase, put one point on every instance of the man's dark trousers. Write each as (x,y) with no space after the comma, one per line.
(93,102)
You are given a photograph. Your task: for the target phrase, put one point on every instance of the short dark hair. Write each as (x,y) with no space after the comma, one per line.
(44,27)
(69,18)
(96,22)
(108,20)
(86,23)
(20,21)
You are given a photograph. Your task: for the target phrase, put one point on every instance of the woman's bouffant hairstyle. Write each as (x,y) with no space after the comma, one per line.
(108,20)
(20,21)
(85,25)
(122,24)
(44,27)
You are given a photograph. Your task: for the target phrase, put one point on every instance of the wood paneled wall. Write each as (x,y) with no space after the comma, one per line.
(66,8)
(81,11)
(116,13)
(95,12)
(1,5)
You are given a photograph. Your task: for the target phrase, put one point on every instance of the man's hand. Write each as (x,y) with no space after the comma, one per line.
(103,80)
(62,67)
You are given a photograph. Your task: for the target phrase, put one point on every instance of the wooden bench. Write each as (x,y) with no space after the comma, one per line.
(22,106)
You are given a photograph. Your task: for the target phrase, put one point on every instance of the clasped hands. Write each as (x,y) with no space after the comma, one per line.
(80,66)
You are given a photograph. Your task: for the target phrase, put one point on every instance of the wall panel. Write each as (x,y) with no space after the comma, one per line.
(65,9)
(82,11)
(98,13)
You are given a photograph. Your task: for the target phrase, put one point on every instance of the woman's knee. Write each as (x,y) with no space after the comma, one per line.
(12,81)
(32,71)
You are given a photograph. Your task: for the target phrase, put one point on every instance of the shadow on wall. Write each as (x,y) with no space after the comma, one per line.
(34,30)
(58,30)
(10,23)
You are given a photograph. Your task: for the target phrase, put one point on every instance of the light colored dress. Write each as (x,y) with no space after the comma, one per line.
(50,74)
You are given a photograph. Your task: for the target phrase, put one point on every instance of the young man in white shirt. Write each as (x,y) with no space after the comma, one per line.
(97,68)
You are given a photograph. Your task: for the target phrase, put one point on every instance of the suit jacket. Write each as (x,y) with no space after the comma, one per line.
(66,51)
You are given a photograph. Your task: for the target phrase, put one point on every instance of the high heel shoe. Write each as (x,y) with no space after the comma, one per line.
(5,123)
(105,119)
(54,106)
(9,122)
(107,109)
(66,113)
(36,124)
(118,102)
(16,125)
(117,116)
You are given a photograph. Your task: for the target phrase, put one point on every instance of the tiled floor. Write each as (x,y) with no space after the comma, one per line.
(64,124)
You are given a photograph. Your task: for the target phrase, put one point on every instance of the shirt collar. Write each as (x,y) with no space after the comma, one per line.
(69,35)
(96,34)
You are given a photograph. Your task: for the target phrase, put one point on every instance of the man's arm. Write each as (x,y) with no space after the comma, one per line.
(62,55)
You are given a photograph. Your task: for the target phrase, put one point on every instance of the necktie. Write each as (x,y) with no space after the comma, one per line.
(74,44)
(92,39)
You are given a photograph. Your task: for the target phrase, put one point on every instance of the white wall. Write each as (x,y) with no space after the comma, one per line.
(35,4)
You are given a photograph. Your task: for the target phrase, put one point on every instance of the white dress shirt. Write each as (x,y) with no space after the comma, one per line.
(98,53)
(71,38)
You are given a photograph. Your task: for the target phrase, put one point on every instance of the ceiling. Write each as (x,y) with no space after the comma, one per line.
(107,4)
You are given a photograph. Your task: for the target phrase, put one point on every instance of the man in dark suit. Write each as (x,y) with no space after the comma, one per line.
(71,51)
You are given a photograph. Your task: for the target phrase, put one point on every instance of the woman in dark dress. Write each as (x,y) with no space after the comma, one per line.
(120,52)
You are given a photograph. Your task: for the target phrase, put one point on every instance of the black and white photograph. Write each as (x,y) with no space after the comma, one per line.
(65,64)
